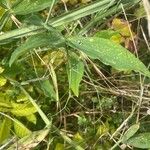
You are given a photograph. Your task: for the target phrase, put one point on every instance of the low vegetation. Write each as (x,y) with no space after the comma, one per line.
(74,74)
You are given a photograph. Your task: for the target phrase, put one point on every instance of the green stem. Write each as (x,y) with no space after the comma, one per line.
(41,113)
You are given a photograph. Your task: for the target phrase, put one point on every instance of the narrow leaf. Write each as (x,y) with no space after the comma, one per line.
(21,32)
(5,129)
(75,73)
(109,53)
(141,140)
(30,6)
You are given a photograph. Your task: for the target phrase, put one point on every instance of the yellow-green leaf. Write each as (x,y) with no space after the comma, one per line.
(5,126)
(103,129)
(22,98)
(5,109)
(4,101)
(23,109)
(106,34)
(110,34)
(32,118)
(2,81)
(59,146)
(122,26)
(20,129)
(78,138)
(1,69)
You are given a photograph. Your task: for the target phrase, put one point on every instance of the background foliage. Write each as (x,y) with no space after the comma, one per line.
(74,74)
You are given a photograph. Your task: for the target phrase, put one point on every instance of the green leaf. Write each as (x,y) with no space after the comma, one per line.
(20,129)
(106,34)
(141,140)
(48,89)
(23,109)
(5,129)
(112,35)
(20,32)
(47,39)
(34,19)
(109,53)
(30,141)
(75,73)
(30,6)
(130,132)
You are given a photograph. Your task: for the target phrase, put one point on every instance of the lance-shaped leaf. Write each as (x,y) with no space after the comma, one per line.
(75,73)
(130,132)
(30,6)
(47,39)
(109,53)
